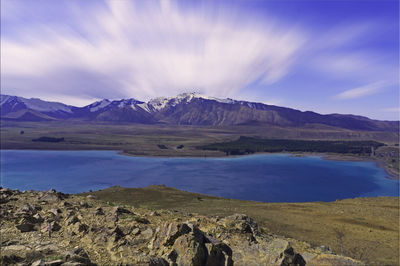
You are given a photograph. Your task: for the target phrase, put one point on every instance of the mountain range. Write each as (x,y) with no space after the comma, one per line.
(184,109)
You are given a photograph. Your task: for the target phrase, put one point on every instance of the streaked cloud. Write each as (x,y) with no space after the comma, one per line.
(291,53)
(362,91)
(147,50)
(391,109)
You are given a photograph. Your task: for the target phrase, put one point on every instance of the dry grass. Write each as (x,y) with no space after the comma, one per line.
(362,228)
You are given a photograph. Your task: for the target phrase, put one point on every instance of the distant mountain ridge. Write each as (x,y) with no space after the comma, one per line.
(184,109)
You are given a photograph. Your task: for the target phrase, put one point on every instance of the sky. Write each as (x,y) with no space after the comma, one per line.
(324,56)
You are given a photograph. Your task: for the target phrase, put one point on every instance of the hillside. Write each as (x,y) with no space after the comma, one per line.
(52,228)
(363,228)
(184,109)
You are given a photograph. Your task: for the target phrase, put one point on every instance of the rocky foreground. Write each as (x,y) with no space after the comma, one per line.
(52,228)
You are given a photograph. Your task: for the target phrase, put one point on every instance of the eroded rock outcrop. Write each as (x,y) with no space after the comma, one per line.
(52,228)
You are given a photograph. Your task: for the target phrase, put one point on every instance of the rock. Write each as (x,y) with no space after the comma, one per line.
(155,261)
(79,229)
(30,219)
(26,227)
(53,196)
(190,251)
(242,222)
(166,241)
(219,252)
(84,204)
(47,248)
(54,226)
(91,197)
(38,218)
(117,234)
(120,210)
(135,231)
(13,254)
(6,191)
(25,210)
(78,255)
(83,228)
(330,259)
(66,204)
(190,246)
(38,263)
(147,234)
(99,211)
(72,220)
(325,249)
(54,211)
(53,263)
(290,258)
(168,233)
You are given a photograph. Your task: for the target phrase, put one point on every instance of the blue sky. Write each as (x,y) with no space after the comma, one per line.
(325,56)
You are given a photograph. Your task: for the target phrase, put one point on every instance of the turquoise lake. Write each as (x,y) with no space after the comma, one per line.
(264,177)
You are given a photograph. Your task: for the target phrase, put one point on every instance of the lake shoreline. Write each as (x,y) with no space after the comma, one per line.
(390,174)
(326,156)
(80,171)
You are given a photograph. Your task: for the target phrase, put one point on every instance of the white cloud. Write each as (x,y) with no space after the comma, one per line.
(362,91)
(147,50)
(391,109)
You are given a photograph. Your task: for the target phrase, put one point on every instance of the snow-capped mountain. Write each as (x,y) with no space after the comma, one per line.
(163,102)
(184,109)
(44,110)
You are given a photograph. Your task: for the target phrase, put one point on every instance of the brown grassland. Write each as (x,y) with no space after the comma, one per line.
(362,228)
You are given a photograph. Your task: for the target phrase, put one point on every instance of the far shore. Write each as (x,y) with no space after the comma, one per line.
(391,174)
(326,156)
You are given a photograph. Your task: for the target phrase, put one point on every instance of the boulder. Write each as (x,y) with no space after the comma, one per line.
(38,263)
(99,211)
(54,263)
(118,210)
(190,251)
(241,222)
(26,226)
(26,210)
(78,255)
(38,218)
(219,252)
(117,234)
(72,220)
(188,245)
(6,191)
(53,196)
(290,258)
(155,261)
(84,204)
(54,226)
(147,234)
(54,211)
(168,233)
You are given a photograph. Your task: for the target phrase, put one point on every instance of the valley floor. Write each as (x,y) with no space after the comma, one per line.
(169,141)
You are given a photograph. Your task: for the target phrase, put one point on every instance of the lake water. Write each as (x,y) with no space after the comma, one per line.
(264,177)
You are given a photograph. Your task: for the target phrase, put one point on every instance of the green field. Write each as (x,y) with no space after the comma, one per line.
(249,145)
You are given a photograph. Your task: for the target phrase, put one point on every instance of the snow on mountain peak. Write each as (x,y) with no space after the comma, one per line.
(162,102)
(36,104)
(99,105)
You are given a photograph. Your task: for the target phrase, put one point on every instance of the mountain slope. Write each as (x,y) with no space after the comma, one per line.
(11,104)
(188,109)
